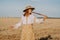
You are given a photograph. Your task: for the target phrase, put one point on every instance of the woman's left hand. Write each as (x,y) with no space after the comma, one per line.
(45,17)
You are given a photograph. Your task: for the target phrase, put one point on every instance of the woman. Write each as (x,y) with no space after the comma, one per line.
(28,19)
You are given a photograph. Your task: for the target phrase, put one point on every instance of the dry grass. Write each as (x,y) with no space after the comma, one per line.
(50,26)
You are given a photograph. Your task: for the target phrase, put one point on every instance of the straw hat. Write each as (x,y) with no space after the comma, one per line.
(28,7)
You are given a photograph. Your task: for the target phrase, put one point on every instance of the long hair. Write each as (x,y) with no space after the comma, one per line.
(26,12)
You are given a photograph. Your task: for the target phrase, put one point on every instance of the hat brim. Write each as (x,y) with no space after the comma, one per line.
(28,8)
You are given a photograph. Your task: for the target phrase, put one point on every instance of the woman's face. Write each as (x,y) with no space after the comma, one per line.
(29,10)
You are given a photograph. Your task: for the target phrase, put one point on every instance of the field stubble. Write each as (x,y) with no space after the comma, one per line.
(49,27)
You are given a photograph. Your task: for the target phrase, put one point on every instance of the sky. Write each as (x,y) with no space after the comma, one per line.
(14,8)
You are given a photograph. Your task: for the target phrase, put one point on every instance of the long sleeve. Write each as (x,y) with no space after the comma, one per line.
(38,20)
(18,24)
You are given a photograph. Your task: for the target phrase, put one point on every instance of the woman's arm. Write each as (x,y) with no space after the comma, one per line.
(45,17)
(17,24)
(36,20)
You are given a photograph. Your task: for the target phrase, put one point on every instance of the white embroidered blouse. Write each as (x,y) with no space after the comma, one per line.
(29,20)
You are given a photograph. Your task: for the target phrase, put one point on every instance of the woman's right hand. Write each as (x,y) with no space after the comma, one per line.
(12,26)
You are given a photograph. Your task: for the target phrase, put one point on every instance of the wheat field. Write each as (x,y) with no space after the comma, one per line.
(49,27)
